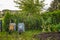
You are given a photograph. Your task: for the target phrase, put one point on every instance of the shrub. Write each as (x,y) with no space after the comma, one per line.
(55,28)
(7,18)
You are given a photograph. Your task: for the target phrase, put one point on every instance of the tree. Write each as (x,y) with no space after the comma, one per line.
(55,5)
(30,6)
(30,12)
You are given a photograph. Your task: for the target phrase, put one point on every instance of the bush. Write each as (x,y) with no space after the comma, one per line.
(7,18)
(56,28)
(31,21)
(35,21)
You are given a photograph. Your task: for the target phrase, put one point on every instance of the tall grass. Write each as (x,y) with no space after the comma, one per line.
(27,35)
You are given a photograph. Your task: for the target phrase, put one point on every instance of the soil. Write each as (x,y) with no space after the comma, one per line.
(49,35)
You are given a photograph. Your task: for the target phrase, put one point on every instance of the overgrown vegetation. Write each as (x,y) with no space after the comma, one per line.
(7,18)
(30,14)
(43,22)
(27,35)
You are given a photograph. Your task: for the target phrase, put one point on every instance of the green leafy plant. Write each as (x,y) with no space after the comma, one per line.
(7,18)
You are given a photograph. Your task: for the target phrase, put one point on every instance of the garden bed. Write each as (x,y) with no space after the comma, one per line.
(49,35)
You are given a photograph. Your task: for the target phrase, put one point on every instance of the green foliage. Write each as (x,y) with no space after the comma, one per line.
(30,13)
(55,5)
(55,28)
(7,18)
(27,35)
(39,21)
(35,21)
(55,16)
(31,21)
(50,18)
(30,6)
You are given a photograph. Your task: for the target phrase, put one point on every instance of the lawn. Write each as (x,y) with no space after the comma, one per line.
(27,35)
